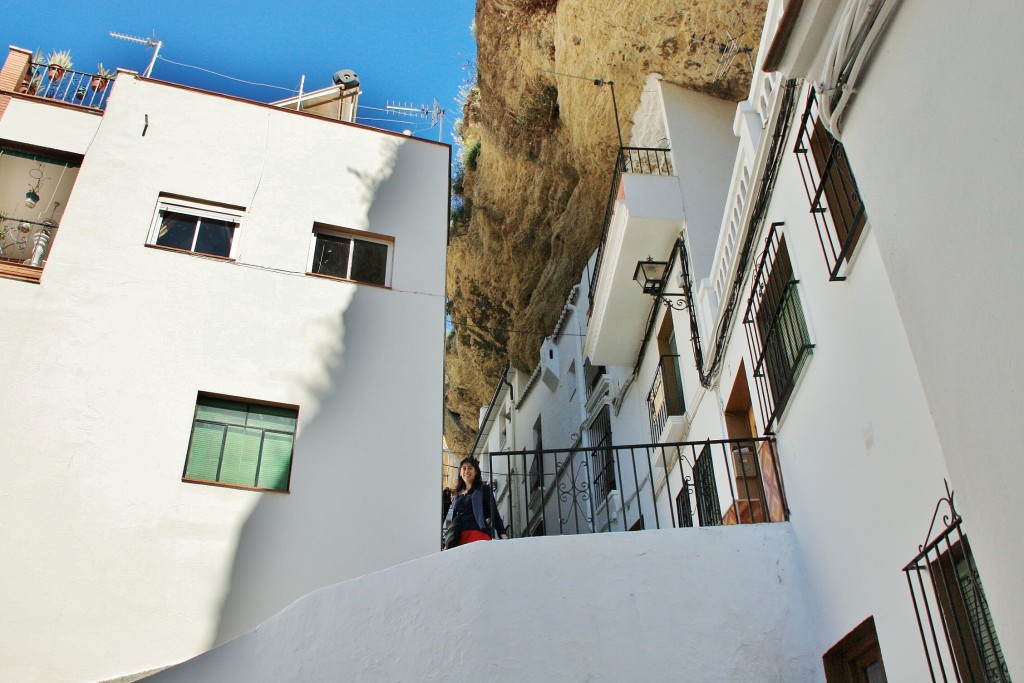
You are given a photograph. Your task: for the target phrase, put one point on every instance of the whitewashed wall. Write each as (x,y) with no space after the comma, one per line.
(607,607)
(932,137)
(120,566)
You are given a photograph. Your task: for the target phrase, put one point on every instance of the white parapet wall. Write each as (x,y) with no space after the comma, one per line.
(709,604)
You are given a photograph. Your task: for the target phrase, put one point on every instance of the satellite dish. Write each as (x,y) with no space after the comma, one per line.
(346,78)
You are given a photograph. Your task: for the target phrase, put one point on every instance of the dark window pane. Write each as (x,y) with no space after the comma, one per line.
(330,257)
(370,262)
(270,417)
(176,230)
(215,237)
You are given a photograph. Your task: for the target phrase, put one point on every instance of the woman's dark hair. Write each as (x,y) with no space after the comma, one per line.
(478,481)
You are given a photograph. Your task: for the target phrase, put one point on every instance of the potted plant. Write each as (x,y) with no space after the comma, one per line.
(58,63)
(31,85)
(102,78)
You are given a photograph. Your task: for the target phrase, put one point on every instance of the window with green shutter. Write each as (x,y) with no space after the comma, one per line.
(236,443)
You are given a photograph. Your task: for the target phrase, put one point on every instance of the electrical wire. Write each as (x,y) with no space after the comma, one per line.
(231,78)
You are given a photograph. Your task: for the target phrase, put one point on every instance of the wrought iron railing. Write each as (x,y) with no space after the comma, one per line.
(666,395)
(642,160)
(657,486)
(62,85)
(835,201)
(953,617)
(776,330)
(25,242)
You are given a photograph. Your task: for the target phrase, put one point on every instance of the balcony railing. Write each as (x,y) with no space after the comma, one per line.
(71,87)
(835,201)
(666,395)
(641,160)
(657,486)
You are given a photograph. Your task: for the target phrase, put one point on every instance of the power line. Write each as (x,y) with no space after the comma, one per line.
(231,78)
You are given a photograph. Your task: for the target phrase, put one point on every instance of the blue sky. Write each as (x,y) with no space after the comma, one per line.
(403,52)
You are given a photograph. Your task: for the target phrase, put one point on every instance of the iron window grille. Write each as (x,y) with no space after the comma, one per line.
(953,617)
(600,433)
(776,328)
(351,255)
(197,227)
(835,200)
(241,444)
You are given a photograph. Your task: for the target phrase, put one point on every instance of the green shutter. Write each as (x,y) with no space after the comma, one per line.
(276,462)
(204,453)
(219,410)
(268,417)
(241,453)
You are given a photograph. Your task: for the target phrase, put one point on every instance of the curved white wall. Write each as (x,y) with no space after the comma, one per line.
(712,604)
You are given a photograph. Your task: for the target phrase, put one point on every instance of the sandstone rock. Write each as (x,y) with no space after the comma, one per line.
(548,142)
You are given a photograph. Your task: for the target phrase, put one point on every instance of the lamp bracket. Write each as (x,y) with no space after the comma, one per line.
(673,300)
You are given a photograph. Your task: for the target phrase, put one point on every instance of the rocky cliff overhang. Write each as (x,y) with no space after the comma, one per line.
(541,142)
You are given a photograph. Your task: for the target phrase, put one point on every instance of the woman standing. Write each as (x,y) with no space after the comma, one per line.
(474,512)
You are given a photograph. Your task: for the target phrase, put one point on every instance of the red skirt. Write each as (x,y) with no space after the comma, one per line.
(471,536)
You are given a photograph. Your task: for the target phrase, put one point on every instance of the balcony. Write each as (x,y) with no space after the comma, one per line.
(653,486)
(665,399)
(643,218)
(28,231)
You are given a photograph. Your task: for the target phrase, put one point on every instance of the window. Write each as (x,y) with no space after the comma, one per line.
(351,255)
(236,443)
(956,626)
(835,201)
(600,435)
(197,227)
(856,658)
(776,329)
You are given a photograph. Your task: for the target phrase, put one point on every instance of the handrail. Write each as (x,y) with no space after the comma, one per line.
(64,85)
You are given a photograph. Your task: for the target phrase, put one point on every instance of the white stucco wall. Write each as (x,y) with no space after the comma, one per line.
(122,567)
(45,125)
(931,136)
(611,607)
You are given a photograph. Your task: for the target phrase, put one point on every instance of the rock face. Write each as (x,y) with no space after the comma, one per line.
(541,142)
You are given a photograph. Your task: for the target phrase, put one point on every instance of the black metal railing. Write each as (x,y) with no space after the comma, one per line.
(666,395)
(26,242)
(953,617)
(70,87)
(776,330)
(656,486)
(835,201)
(642,160)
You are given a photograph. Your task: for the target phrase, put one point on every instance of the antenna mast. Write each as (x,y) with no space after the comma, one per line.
(435,113)
(148,42)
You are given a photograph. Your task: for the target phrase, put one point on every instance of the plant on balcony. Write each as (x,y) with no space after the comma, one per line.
(102,78)
(31,85)
(58,63)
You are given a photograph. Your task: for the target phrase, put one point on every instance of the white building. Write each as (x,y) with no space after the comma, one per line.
(794,360)
(828,309)
(212,312)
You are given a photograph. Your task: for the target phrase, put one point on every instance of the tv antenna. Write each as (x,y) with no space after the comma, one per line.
(728,51)
(435,113)
(148,42)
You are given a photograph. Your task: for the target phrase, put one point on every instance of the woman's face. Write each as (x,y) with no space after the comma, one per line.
(468,473)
